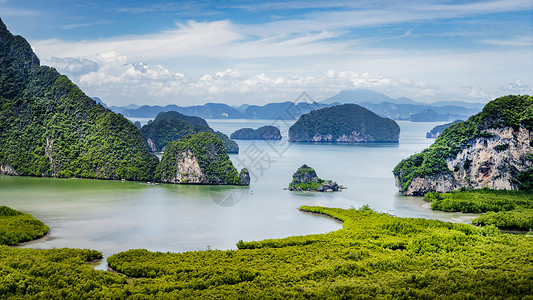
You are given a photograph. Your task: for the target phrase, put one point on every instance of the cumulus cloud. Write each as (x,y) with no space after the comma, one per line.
(72,65)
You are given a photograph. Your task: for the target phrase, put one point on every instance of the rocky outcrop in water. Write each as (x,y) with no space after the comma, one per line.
(493,149)
(306,179)
(199,159)
(437,130)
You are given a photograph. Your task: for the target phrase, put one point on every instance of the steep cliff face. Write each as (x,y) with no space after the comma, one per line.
(199,159)
(348,123)
(490,150)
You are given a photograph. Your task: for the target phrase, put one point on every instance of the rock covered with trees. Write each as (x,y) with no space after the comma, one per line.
(348,123)
(491,149)
(306,179)
(262,133)
(49,127)
(171,126)
(199,159)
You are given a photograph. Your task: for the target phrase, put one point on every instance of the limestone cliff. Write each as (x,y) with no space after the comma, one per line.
(491,149)
(199,159)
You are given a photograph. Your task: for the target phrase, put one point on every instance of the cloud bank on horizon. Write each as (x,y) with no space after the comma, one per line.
(254,52)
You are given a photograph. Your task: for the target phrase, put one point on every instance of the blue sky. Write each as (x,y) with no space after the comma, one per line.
(193,52)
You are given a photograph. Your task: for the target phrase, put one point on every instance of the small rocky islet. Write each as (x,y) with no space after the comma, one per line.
(306,179)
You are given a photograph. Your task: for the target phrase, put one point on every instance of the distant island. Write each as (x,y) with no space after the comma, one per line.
(429,115)
(199,159)
(262,133)
(348,123)
(492,149)
(170,126)
(437,130)
(305,179)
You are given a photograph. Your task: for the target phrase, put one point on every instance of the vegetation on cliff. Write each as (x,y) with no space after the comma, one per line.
(509,111)
(262,133)
(305,179)
(16,227)
(344,123)
(49,127)
(210,154)
(171,126)
(504,209)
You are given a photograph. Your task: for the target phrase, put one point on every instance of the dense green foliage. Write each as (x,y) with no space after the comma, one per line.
(515,219)
(513,111)
(504,209)
(171,126)
(209,151)
(373,256)
(262,133)
(49,127)
(344,120)
(478,201)
(16,227)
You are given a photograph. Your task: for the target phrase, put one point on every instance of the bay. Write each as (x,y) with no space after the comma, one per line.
(113,216)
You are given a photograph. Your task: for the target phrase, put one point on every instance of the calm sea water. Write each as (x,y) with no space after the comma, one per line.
(113,216)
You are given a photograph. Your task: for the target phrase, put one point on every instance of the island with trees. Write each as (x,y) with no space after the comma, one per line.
(262,133)
(306,179)
(348,123)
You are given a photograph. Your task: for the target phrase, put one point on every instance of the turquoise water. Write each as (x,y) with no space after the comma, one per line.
(113,216)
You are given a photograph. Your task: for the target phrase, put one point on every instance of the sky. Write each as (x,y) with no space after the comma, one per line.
(257,52)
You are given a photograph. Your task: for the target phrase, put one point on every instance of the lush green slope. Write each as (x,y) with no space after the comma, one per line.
(210,154)
(344,123)
(171,126)
(49,127)
(16,227)
(510,111)
(374,256)
(262,133)
(504,209)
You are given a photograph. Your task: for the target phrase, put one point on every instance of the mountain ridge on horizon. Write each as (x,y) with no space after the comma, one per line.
(395,108)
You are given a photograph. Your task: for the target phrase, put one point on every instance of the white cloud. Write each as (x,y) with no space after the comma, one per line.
(523,41)
(72,66)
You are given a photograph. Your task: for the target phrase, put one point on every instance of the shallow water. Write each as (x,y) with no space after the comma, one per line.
(113,216)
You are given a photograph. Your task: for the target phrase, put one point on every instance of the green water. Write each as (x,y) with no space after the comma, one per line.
(112,216)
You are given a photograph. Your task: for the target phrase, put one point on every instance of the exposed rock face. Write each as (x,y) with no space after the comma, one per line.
(199,159)
(261,133)
(7,170)
(348,123)
(305,179)
(486,162)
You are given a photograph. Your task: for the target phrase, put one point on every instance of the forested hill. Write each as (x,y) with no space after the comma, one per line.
(492,149)
(49,127)
(171,125)
(348,123)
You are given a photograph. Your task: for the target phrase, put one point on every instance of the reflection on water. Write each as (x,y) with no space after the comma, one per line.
(113,216)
